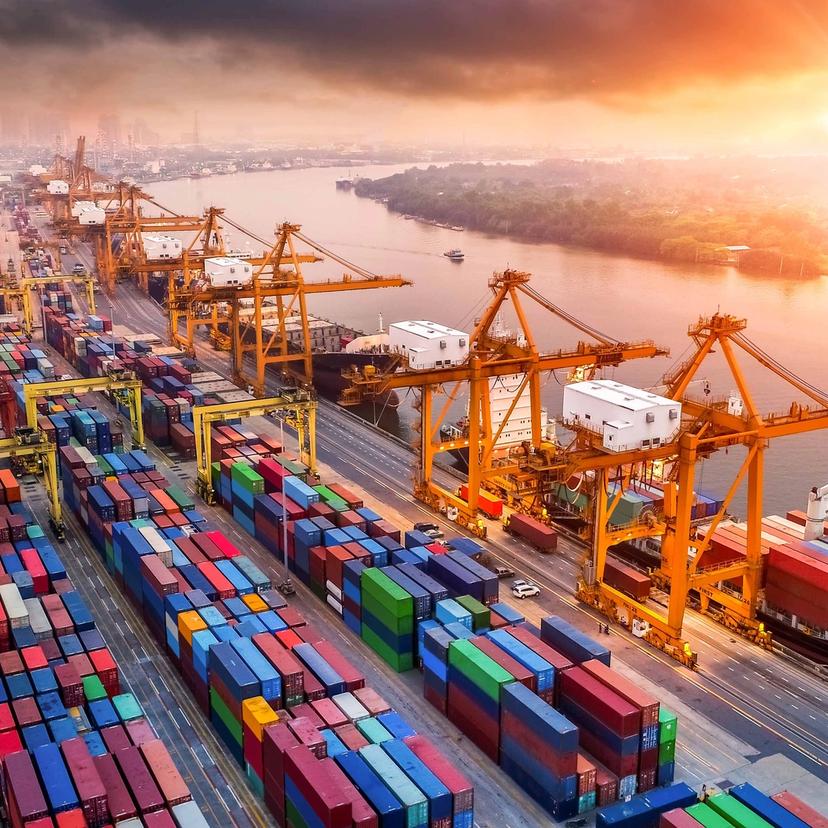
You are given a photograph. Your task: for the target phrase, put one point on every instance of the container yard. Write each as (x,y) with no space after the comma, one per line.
(337,665)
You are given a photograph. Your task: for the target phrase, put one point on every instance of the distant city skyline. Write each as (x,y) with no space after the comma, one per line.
(653,75)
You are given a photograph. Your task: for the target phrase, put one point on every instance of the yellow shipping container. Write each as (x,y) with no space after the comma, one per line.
(254,602)
(257,714)
(188,623)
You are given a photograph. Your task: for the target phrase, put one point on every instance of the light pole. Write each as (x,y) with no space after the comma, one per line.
(284,503)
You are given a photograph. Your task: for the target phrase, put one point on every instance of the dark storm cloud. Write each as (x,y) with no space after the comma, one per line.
(474,49)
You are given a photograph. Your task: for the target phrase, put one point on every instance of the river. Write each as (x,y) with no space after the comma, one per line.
(624,297)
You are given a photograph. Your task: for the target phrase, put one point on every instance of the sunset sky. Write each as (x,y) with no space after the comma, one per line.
(655,75)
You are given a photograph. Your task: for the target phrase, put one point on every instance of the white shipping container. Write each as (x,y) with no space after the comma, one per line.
(627,418)
(334,604)
(428,344)
(158,544)
(224,271)
(38,619)
(58,187)
(351,706)
(15,608)
(187,815)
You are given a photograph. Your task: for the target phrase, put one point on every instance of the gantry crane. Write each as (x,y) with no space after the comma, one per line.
(491,354)
(81,180)
(123,386)
(298,406)
(32,449)
(708,426)
(277,275)
(20,292)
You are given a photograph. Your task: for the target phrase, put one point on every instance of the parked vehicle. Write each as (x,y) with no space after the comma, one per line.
(430,529)
(79,270)
(503,572)
(526,591)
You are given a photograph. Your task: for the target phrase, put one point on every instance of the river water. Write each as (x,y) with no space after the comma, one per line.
(624,297)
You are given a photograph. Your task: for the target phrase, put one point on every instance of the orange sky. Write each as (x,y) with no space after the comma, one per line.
(654,75)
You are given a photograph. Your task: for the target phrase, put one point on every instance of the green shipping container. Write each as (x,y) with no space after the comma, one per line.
(219,708)
(181,498)
(668,725)
(481,670)
(105,467)
(481,616)
(376,584)
(401,662)
(373,731)
(736,813)
(666,752)
(93,688)
(707,816)
(127,707)
(243,475)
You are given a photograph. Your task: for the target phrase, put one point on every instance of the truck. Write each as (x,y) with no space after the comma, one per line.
(544,538)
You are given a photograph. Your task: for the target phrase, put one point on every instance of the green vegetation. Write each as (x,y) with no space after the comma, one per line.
(674,210)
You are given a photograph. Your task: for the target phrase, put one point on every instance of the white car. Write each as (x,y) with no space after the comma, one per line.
(525,591)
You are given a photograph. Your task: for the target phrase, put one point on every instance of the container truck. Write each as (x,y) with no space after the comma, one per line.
(544,538)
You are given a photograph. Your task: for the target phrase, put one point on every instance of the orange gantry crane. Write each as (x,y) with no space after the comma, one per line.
(708,425)
(276,281)
(492,354)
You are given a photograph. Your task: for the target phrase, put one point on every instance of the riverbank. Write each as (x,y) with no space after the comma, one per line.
(569,203)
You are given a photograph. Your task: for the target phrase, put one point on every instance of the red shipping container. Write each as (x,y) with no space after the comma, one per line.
(352,677)
(223,587)
(26,711)
(70,685)
(461,789)
(115,738)
(88,784)
(637,697)
(291,616)
(308,734)
(10,743)
(328,713)
(34,658)
(34,566)
(375,704)
(351,737)
(119,801)
(464,712)
(677,818)
(799,809)
(134,771)
(619,715)
(320,790)
(285,663)
(362,814)
(227,548)
(288,638)
(105,666)
(140,731)
(6,718)
(22,789)
(166,775)
(307,711)
(159,819)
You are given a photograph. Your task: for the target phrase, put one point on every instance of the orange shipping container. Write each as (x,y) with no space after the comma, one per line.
(10,486)
(165,501)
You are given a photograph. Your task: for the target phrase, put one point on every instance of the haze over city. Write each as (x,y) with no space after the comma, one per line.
(655,76)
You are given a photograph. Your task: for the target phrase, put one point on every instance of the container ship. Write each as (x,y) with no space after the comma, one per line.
(336,348)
